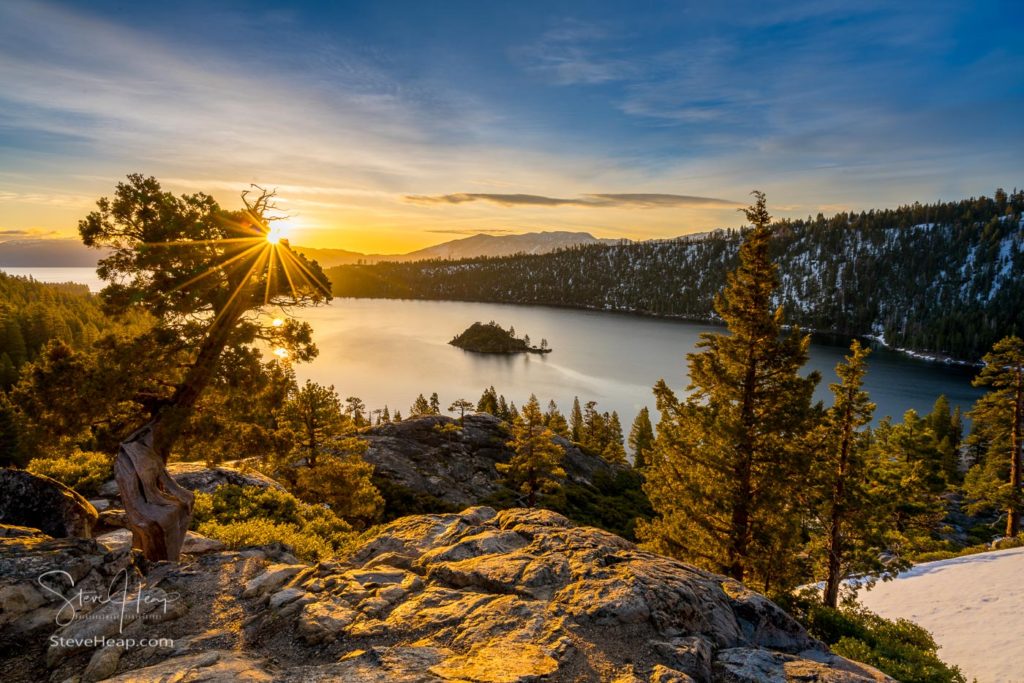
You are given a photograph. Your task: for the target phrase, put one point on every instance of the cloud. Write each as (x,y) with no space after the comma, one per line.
(30,235)
(573,53)
(596,200)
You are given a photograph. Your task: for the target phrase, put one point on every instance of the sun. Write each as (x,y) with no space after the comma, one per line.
(275,234)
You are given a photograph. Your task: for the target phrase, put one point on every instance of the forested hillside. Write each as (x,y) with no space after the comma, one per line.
(942,278)
(32,313)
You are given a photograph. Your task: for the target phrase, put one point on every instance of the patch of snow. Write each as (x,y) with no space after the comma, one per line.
(972,605)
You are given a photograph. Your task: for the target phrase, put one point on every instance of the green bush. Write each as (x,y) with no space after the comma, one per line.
(306,546)
(898,647)
(83,471)
(249,515)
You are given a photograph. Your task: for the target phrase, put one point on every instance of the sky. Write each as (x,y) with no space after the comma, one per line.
(389,126)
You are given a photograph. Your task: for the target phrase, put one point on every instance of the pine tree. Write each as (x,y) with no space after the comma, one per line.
(488,402)
(354,408)
(943,424)
(594,432)
(419,407)
(461,406)
(398,416)
(641,438)
(848,531)
(536,465)
(385,416)
(435,404)
(998,417)
(576,420)
(502,411)
(613,450)
(314,414)
(555,421)
(730,462)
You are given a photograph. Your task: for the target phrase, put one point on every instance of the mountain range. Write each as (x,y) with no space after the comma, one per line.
(69,253)
(943,279)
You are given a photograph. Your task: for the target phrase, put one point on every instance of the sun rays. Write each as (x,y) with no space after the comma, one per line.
(253,261)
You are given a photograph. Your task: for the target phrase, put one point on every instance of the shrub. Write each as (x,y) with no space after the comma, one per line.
(897,647)
(83,471)
(345,484)
(249,515)
(258,531)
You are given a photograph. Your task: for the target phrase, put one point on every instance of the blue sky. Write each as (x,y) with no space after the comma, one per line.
(387,126)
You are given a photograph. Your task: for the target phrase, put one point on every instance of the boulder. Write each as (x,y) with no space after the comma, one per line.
(197,477)
(452,472)
(39,502)
(493,597)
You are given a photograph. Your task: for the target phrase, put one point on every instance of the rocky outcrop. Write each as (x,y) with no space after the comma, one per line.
(484,596)
(457,469)
(36,501)
(195,476)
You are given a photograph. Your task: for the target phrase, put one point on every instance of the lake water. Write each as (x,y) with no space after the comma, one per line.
(388,351)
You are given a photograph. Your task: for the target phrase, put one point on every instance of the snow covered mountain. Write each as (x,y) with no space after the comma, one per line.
(501,245)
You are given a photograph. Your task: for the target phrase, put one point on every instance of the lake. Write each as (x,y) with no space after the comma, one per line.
(388,351)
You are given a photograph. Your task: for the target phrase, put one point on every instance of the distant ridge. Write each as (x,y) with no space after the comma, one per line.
(48,253)
(475,246)
(71,253)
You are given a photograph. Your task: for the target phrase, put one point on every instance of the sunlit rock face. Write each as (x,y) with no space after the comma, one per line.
(520,595)
(458,471)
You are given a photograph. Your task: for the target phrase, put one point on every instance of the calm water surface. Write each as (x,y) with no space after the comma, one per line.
(388,351)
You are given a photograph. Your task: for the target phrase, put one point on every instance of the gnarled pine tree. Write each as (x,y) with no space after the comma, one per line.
(727,470)
(205,275)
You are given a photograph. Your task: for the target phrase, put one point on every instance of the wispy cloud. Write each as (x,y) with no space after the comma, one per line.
(595,200)
(574,52)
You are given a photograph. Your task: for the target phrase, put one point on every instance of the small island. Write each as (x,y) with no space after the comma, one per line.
(493,338)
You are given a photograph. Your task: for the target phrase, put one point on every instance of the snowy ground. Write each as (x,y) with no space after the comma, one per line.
(973,605)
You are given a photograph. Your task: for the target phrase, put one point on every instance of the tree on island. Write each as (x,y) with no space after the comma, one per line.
(536,465)
(729,461)
(998,434)
(204,275)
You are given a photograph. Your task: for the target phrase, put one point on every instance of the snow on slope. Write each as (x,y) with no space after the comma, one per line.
(973,605)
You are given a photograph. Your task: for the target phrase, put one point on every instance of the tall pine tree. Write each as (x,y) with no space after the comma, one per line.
(846,539)
(998,419)
(730,461)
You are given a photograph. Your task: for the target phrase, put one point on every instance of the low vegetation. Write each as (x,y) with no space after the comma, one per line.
(898,647)
(246,515)
(83,471)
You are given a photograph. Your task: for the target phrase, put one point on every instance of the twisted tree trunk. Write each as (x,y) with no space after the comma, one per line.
(159,511)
